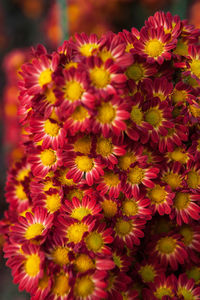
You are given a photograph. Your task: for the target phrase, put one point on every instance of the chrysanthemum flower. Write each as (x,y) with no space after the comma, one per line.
(117,283)
(191,240)
(193,176)
(193,272)
(129,37)
(51,200)
(121,260)
(148,271)
(110,183)
(128,231)
(109,206)
(43,287)
(170,250)
(160,88)
(17,195)
(34,226)
(179,154)
(155,45)
(173,175)
(84,45)
(184,207)
(187,289)
(194,64)
(136,207)
(57,251)
(161,199)
(133,153)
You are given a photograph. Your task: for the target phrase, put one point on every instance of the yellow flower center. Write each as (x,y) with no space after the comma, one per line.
(84,163)
(193,179)
(62,178)
(75,193)
(194,273)
(100,77)
(19,190)
(111,179)
(106,113)
(60,256)
(157,194)
(153,117)
(126,160)
(185,293)
(129,207)
(73,91)
(123,227)
(136,175)
(104,147)
(104,55)
(178,155)
(109,208)
(45,77)
(195,67)
(34,230)
(147,273)
(135,72)
(129,47)
(48,157)
(50,96)
(61,285)
(76,231)
(187,234)
(84,287)
(83,263)
(80,212)
(181,200)
(181,48)
(166,245)
(160,95)
(163,291)
(94,241)
(154,48)
(136,115)
(22,174)
(194,110)
(79,114)
(43,282)
(53,202)
(83,145)
(87,49)
(51,128)
(32,265)
(70,65)
(179,96)
(173,179)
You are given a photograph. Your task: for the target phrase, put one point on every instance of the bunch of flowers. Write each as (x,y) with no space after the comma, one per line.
(105,203)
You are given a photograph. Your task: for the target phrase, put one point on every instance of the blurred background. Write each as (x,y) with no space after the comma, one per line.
(25,23)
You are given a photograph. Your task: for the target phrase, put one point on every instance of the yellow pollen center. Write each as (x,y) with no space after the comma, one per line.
(75,193)
(126,160)
(53,202)
(109,208)
(104,147)
(84,163)
(153,117)
(62,178)
(60,256)
(195,67)
(51,128)
(84,287)
(187,234)
(71,64)
(100,77)
(43,282)
(48,157)
(154,48)
(179,96)
(129,208)
(185,293)
(129,47)
(106,113)
(22,174)
(61,285)
(94,241)
(80,212)
(50,96)
(136,115)
(163,291)
(178,155)
(195,111)
(111,179)
(157,194)
(135,72)
(181,200)
(83,263)
(173,179)
(76,231)
(193,179)
(181,48)
(83,145)
(104,54)
(87,49)
(19,190)
(166,245)
(34,230)
(123,227)
(79,114)
(136,175)
(45,77)
(147,273)
(32,265)
(73,91)
(194,273)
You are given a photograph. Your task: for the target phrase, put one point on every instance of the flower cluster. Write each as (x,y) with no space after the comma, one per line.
(105,203)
